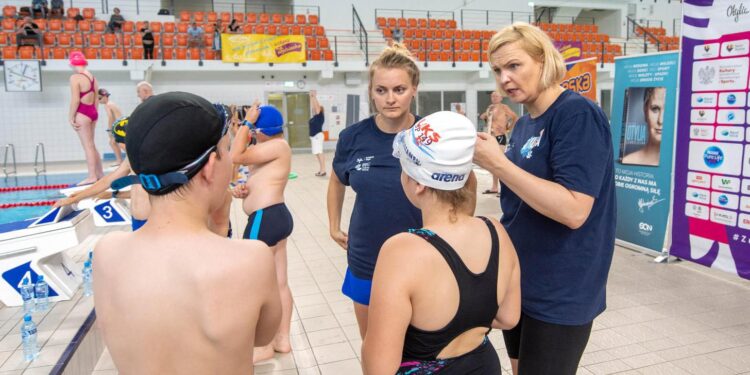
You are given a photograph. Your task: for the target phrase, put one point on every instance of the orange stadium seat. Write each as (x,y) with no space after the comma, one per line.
(328,55)
(212,17)
(90,53)
(251,17)
(198,17)
(276,18)
(136,53)
(312,19)
(182,28)
(264,18)
(70,25)
(73,12)
(155,26)
(181,54)
(288,19)
(100,26)
(95,40)
(301,19)
(89,13)
(26,53)
(169,27)
(106,53)
(226,17)
(9,53)
(195,54)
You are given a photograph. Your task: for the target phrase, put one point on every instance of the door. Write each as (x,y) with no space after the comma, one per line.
(295,107)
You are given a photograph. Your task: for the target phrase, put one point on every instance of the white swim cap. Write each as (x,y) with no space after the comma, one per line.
(438,150)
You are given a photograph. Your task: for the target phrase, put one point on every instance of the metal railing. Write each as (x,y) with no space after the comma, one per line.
(677,26)
(413,13)
(37,170)
(9,146)
(243,7)
(494,18)
(358,28)
(633,26)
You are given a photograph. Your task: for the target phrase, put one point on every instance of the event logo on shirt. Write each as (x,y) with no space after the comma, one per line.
(531,144)
(713,157)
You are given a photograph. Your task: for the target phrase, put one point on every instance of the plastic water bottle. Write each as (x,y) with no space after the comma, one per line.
(88,289)
(27,294)
(41,292)
(28,337)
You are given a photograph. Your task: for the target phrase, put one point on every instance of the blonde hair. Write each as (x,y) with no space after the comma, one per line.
(397,56)
(535,43)
(462,201)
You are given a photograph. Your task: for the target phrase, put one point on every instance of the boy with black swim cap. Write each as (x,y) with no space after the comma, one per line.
(269,158)
(167,294)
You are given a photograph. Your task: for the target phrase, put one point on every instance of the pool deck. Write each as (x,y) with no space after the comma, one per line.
(679,318)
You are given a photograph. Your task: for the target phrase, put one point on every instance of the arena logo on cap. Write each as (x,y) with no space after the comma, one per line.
(713,157)
(447,177)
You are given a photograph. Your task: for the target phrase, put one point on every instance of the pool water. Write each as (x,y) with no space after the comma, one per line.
(9,215)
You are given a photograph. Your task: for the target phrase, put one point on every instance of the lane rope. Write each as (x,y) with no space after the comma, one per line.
(27,204)
(10,189)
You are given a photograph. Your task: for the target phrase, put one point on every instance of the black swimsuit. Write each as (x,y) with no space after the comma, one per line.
(270,225)
(477,307)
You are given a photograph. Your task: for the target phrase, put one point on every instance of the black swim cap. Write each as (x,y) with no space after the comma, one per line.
(170,133)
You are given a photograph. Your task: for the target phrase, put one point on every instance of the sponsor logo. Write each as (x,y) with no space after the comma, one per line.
(700,100)
(447,177)
(729,47)
(706,74)
(706,47)
(731,99)
(645,228)
(730,116)
(702,113)
(723,200)
(713,157)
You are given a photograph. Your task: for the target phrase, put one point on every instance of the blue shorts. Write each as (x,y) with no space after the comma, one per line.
(357,289)
(136,224)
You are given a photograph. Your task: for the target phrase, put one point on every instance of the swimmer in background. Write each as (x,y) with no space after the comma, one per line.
(653,112)
(261,146)
(113,114)
(157,315)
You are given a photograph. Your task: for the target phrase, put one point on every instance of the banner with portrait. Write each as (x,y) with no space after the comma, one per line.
(642,123)
(581,78)
(711,220)
(260,48)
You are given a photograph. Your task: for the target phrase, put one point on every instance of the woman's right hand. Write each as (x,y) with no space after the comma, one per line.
(74,125)
(341,238)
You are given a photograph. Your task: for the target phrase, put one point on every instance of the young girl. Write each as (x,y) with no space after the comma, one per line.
(84,113)
(363,161)
(462,278)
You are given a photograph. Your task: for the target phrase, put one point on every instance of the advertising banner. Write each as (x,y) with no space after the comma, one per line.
(643,119)
(581,78)
(259,48)
(711,211)
(570,51)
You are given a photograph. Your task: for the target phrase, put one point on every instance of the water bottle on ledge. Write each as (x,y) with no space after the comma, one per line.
(41,292)
(28,337)
(88,288)
(27,295)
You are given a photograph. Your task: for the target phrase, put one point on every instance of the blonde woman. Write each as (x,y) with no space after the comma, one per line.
(558,202)
(363,161)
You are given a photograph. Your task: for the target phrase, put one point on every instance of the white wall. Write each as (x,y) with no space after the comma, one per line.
(660,11)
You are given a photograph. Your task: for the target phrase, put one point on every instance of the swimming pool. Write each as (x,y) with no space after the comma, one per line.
(9,215)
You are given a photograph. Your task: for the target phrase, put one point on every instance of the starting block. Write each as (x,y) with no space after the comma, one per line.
(37,247)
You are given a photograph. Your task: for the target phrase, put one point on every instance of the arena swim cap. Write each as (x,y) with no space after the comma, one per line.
(77,59)
(438,150)
(118,129)
(270,121)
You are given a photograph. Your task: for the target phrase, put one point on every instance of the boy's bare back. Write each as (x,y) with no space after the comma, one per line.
(171,301)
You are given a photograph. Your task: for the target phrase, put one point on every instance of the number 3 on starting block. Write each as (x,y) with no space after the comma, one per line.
(110,212)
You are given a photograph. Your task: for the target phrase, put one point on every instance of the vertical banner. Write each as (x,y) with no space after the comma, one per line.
(643,119)
(711,220)
(581,78)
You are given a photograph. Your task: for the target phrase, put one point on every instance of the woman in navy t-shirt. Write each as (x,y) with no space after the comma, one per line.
(364,161)
(558,202)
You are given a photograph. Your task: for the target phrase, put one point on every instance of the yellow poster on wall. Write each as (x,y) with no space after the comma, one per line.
(581,78)
(260,48)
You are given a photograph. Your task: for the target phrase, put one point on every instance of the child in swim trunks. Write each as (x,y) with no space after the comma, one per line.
(261,146)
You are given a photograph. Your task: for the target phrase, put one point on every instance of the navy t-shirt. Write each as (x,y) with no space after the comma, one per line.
(316,124)
(364,160)
(564,271)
